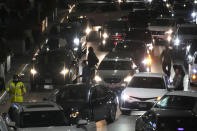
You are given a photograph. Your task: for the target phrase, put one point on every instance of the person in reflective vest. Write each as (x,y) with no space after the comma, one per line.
(16,89)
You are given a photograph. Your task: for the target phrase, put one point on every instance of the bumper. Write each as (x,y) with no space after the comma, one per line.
(109,43)
(136,105)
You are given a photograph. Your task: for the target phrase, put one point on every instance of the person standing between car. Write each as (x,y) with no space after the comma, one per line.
(166,61)
(92,62)
(178,80)
(16,89)
(85,72)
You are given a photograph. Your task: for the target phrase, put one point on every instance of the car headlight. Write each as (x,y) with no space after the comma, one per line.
(169,38)
(76,41)
(193,14)
(124,96)
(195,1)
(105,35)
(194,71)
(150,46)
(33,71)
(158,98)
(128,78)
(147,61)
(188,48)
(64,71)
(169,32)
(177,41)
(97,78)
(88,30)
(74,115)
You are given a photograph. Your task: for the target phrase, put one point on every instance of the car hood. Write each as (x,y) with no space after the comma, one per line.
(159,28)
(144,93)
(52,128)
(173,112)
(113,73)
(187,37)
(49,68)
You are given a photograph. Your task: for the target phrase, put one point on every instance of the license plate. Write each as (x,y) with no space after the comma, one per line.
(48,86)
(48,81)
(142,105)
(114,85)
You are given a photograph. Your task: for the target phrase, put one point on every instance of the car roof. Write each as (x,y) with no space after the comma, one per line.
(118,56)
(183,93)
(148,74)
(37,106)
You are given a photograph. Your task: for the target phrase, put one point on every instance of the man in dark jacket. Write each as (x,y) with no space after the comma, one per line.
(166,61)
(92,61)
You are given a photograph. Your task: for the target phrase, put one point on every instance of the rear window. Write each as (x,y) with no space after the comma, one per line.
(73,94)
(115,65)
(147,82)
(187,31)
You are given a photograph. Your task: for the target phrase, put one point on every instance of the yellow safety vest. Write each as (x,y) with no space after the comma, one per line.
(16,91)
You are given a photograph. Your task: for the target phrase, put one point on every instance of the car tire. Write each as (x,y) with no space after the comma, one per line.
(112,114)
(125,112)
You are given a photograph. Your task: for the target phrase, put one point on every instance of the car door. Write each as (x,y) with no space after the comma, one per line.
(99,103)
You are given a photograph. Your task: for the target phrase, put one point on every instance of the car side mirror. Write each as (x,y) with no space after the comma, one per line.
(82,123)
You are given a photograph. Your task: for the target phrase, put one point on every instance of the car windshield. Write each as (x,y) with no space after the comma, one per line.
(161,22)
(43,119)
(115,65)
(177,102)
(86,7)
(147,82)
(73,94)
(188,31)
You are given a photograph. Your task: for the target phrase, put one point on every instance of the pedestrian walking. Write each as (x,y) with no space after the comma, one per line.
(166,61)
(178,80)
(92,62)
(85,72)
(16,89)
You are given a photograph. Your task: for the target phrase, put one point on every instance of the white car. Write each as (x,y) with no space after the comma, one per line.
(143,91)
(43,116)
(3,126)
(115,70)
(185,35)
(162,29)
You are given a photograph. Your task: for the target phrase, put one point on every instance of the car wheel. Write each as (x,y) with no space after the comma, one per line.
(125,112)
(112,114)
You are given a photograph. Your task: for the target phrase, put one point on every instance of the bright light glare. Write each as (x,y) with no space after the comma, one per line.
(105,35)
(193,14)
(104,42)
(97,78)
(64,71)
(128,78)
(88,30)
(169,31)
(76,41)
(33,71)
(147,60)
(195,2)
(177,41)
(169,38)
(125,96)
(194,71)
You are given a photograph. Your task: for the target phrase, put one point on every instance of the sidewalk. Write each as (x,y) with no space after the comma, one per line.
(18,62)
